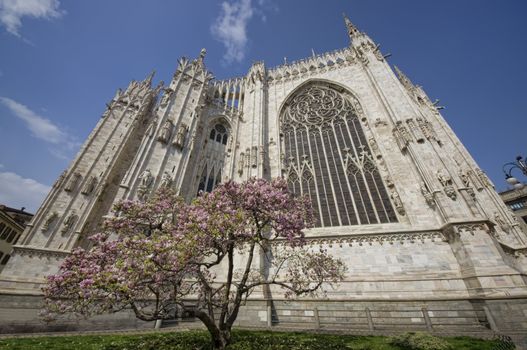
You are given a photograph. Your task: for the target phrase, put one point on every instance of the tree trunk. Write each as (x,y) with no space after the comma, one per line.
(221,339)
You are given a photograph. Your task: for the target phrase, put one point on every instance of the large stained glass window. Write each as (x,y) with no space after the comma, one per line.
(213,160)
(327,158)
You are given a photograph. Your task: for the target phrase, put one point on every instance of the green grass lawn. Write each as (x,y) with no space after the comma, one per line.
(242,340)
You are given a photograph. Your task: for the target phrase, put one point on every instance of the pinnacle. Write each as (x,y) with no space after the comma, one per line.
(352,30)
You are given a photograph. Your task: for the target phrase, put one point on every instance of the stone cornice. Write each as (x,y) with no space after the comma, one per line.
(40,252)
(374,238)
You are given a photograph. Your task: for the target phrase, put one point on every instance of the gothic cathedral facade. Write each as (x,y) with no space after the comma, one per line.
(396,194)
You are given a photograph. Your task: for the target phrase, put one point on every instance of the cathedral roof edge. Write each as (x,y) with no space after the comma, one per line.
(309,60)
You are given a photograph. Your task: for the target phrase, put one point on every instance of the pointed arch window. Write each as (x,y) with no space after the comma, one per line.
(219,134)
(213,156)
(328,158)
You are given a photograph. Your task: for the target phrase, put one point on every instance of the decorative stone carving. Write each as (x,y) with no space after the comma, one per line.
(69,222)
(72,183)
(500,222)
(514,217)
(397,203)
(465,179)
(248,157)
(49,221)
(60,180)
(429,197)
(426,129)
(166,97)
(378,54)
(409,86)
(89,186)
(146,179)
(166,180)
(261,151)
(241,162)
(370,239)
(179,140)
(254,156)
(152,127)
(40,252)
(415,130)
(446,181)
(166,132)
(379,122)
(388,181)
(402,135)
(373,145)
(483,178)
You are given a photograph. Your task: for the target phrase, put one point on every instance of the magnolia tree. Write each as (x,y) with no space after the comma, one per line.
(162,257)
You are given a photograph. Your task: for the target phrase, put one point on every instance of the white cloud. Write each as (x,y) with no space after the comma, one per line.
(17,192)
(230,28)
(12,11)
(39,126)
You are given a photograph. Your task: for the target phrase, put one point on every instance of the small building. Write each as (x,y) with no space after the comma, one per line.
(12,224)
(516,200)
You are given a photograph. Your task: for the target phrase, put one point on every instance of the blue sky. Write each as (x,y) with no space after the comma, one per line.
(61,61)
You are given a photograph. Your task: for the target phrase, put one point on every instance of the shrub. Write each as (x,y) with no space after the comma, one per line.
(420,341)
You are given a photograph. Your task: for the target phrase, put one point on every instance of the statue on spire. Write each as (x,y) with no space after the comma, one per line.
(352,30)
(202,54)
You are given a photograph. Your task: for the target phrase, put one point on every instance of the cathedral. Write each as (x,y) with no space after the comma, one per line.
(427,241)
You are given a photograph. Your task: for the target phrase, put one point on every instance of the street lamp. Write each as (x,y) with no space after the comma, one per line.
(507,170)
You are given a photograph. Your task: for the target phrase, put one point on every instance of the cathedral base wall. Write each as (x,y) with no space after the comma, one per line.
(472,317)
(20,314)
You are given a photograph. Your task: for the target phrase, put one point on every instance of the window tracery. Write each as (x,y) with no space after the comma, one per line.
(213,159)
(327,158)
(219,134)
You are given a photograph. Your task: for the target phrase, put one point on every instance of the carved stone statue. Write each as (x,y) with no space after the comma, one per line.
(179,140)
(501,223)
(89,186)
(146,178)
(464,179)
(166,180)
(514,218)
(49,221)
(446,181)
(398,204)
(388,181)
(429,197)
(152,127)
(426,129)
(166,97)
(165,132)
(373,145)
(241,163)
(254,156)
(69,222)
(60,179)
(72,183)
(402,135)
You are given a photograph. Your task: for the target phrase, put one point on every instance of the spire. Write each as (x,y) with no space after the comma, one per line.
(148,79)
(202,54)
(353,32)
